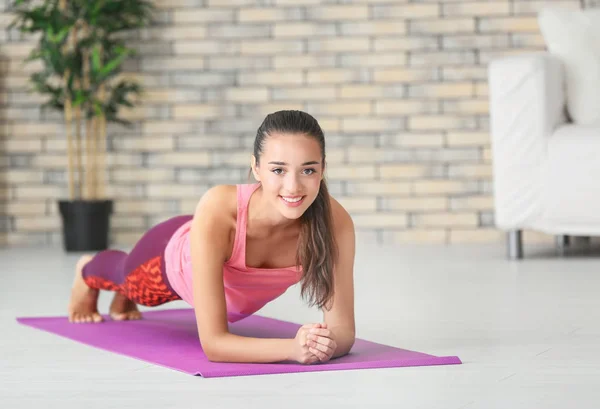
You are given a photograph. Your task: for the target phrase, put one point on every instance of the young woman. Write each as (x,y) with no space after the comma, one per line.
(244,246)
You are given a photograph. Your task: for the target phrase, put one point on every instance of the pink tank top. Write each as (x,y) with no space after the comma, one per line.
(247,289)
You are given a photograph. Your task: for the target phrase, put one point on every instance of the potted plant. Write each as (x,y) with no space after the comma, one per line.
(82,52)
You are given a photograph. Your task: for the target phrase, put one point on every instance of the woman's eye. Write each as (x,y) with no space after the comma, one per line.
(275,171)
(311,171)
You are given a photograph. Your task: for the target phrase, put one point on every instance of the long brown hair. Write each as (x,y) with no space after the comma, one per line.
(317,248)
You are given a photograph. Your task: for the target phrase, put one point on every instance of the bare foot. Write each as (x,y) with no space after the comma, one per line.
(83,306)
(122,309)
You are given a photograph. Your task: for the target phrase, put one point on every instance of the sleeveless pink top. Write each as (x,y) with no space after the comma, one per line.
(247,289)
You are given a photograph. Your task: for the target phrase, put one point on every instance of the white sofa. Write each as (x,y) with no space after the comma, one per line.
(546,169)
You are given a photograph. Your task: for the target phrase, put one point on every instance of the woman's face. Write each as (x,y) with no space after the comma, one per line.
(290,172)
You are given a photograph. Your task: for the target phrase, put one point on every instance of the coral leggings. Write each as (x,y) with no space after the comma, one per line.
(139,275)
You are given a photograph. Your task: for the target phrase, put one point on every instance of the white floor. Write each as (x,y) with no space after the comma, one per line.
(528,333)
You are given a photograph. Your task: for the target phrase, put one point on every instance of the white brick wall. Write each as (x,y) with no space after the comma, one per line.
(400,89)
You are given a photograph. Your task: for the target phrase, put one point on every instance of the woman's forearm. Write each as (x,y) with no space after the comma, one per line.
(234,348)
(344,338)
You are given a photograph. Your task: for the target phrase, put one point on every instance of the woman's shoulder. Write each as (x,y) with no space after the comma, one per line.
(220,201)
(341,218)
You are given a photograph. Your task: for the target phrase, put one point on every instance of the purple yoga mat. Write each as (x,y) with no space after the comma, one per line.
(170,338)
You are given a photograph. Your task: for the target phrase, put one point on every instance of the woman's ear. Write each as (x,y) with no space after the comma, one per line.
(254,168)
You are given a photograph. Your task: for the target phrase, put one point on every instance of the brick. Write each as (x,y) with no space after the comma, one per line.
(438,58)
(380,188)
(372,28)
(203,141)
(168,127)
(203,79)
(237,63)
(470,170)
(527,40)
(203,15)
(441,122)
(180,159)
(337,76)
(458,138)
(232,158)
(142,206)
(230,3)
(204,47)
(411,204)
(467,106)
(476,202)
(406,11)
(262,110)
(22,145)
(249,15)
(174,33)
(37,223)
(419,236)
(340,108)
(445,219)
(535,6)
(481,89)
(508,24)
(405,43)
(354,140)
(338,12)
(17,50)
(144,143)
(129,221)
(202,111)
(487,155)
(34,129)
(178,4)
(442,26)
(271,47)
(129,238)
(405,171)
(361,91)
(209,175)
(403,75)
(288,77)
(380,220)
(303,29)
(142,175)
(247,94)
(239,31)
(373,60)
(304,93)
(370,124)
(405,107)
(440,91)
(479,9)
(536,237)
(351,172)
(16,176)
(282,62)
(475,236)
(339,44)
(22,208)
(156,190)
(358,204)
(37,192)
(378,155)
(413,140)
(437,187)
(478,41)
(464,73)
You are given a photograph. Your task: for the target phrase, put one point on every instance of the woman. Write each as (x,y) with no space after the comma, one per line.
(243,247)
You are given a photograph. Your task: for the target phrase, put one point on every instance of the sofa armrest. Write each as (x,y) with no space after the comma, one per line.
(527,103)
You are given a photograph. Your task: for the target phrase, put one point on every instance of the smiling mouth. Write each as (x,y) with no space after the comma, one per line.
(295,199)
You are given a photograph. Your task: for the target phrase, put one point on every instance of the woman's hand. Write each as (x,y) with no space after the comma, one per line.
(313,343)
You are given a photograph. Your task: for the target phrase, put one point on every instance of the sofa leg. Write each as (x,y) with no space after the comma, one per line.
(515,244)
(562,242)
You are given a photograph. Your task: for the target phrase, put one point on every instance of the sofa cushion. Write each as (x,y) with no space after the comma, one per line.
(571,175)
(574,36)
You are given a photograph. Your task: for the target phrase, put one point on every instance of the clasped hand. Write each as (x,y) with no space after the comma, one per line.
(314,343)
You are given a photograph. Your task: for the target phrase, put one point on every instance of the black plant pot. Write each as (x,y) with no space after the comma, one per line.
(86,224)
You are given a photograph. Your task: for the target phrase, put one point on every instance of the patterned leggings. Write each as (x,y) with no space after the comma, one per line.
(139,275)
